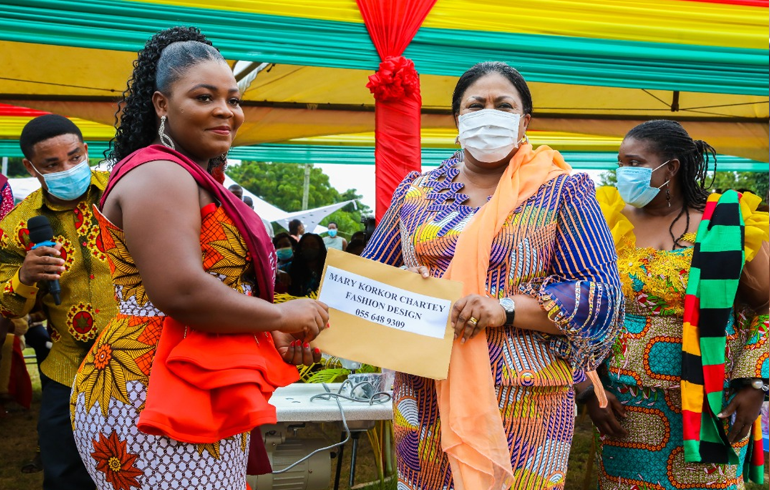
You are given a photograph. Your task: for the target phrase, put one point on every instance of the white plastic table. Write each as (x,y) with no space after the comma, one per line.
(293,404)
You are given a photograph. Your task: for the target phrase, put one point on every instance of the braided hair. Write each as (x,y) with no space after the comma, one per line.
(164,59)
(671,141)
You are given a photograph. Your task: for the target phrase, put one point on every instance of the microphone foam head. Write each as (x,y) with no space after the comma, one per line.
(39,229)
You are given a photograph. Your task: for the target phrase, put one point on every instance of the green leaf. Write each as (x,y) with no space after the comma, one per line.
(328,375)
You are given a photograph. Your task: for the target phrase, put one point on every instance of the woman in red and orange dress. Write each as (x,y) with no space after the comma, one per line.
(168,394)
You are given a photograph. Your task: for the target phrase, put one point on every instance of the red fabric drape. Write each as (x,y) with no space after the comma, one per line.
(19,384)
(393,23)
(396,87)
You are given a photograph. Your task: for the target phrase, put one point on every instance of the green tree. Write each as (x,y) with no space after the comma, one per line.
(281,185)
(608,178)
(16,169)
(348,219)
(755,182)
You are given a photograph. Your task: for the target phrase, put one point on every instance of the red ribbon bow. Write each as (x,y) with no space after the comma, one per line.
(395,80)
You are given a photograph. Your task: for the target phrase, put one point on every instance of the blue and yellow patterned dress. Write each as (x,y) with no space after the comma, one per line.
(555,247)
(645,364)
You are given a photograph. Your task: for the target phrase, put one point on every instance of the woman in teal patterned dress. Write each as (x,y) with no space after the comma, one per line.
(653,226)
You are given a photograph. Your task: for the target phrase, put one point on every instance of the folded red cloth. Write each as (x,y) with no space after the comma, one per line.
(206,387)
(19,383)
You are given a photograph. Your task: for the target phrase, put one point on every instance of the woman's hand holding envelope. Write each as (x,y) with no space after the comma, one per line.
(295,351)
(471,313)
(303,318)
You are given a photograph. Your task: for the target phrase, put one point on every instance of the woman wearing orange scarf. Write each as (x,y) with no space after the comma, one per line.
(542,297)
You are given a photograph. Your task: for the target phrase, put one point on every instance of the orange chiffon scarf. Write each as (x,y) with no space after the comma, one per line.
(472,432)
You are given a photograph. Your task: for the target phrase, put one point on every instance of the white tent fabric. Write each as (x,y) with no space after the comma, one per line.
(311,217)
(21,188)
(263,208)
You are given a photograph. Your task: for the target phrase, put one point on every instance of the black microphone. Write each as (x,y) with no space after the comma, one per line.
(41,234)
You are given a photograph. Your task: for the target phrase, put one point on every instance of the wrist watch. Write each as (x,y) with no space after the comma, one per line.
(510,310)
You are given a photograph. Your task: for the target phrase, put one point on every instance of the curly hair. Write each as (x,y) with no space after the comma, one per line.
(165,57)
(671,141)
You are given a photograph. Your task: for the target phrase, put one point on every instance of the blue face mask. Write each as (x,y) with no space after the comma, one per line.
(70,184)
(634,185)
(284,254)
(332,233)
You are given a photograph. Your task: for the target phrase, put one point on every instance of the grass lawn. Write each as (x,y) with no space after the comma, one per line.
(18,433)
(19,442)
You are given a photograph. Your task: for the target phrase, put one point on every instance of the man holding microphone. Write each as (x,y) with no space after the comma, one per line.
(56,155)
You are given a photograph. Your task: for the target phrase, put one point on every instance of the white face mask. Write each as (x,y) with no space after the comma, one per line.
(489,135)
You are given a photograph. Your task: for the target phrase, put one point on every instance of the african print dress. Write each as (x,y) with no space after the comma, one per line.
(111,386)
(555,247)
(6,197)
(646,361)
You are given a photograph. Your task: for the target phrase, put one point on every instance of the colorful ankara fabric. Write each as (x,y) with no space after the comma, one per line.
(538,422)
(6,197)
(645,367)
(86,286)
(110,390)
(472,435)
(536,253)
(652,456)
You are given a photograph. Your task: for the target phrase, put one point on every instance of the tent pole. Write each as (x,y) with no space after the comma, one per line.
(5,166)
(306,187)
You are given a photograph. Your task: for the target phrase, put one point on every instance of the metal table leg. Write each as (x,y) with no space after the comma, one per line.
(339,464)
(353,454)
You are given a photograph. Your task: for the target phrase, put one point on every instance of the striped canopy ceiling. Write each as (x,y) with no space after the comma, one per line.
(595,67)
(583,151)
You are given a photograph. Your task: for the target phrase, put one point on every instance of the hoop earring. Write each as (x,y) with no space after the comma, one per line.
(220,161)
(524,139)
(223,158)
(668,195)
(164,138)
